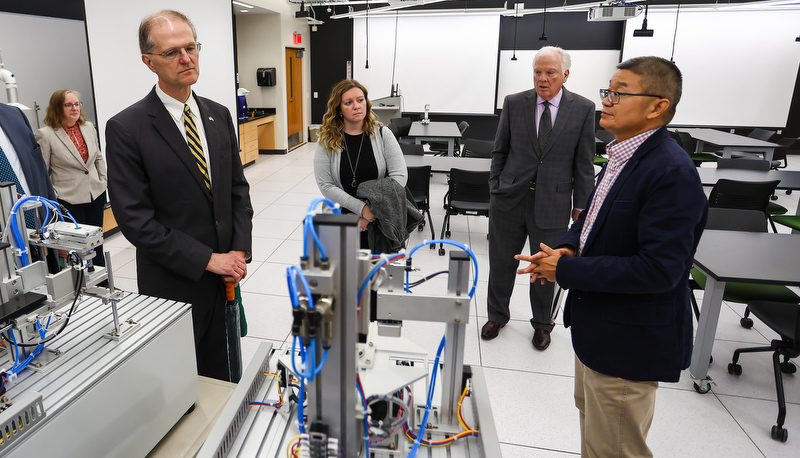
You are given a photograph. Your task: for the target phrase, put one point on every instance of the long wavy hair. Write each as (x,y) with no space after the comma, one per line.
(331,133)
(54,116)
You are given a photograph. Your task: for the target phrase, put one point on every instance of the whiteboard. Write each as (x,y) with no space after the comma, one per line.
(589,73)
(448,62)
(739,67)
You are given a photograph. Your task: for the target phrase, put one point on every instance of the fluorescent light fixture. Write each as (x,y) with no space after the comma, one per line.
(244,11)
(245,5)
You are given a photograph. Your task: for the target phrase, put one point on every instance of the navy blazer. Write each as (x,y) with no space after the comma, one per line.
(628,304)
(16,126)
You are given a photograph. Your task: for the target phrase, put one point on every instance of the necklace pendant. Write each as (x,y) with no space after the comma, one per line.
(355,185)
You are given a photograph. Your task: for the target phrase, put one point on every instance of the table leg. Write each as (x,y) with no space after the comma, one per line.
(450,144)
(706,330)
(727,151)
(698,148)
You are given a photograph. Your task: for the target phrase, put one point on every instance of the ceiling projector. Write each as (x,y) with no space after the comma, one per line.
(614,12)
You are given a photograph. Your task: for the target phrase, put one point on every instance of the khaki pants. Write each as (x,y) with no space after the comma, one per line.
(615,414)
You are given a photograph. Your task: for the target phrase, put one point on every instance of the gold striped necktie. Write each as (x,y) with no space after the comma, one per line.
(195,145)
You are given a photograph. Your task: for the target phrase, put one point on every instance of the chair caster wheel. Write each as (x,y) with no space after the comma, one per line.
(447,234)
(746,323)
(734,369)
(702,389)
(788,368)
(779,434)
(441,251)
(773,197)
(433,246)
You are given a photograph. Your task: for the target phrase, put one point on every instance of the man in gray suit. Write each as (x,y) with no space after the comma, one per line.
(542,167)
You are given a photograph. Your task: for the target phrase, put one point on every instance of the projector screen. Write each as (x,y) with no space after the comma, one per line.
(739,67)
(590,72)
(447,62)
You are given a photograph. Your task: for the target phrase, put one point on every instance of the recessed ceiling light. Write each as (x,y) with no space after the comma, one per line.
(244,11)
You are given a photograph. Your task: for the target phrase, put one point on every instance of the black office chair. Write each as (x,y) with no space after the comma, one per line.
(394,130)
(478,148)
(441,147)
(689,144)
(773,209)
(412,149)
(602,138)
(783,318)
(746,195)
(403,128)
(787,144)
(468,194)
(419,183)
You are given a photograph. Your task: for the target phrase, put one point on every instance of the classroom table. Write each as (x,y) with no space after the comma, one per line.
(443,164)
(751,257)
(731,143)
(436,131)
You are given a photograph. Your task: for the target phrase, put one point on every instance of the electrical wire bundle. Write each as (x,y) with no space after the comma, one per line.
(13,227)
(468,432)
(279,402)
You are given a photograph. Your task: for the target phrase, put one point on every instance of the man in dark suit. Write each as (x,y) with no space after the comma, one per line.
(179,194)
(542,167)
(23,153)
(626,263)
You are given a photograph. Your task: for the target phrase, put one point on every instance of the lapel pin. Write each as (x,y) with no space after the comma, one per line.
(210,118)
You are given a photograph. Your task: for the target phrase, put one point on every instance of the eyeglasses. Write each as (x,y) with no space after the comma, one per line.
(613,96)
(73,105)
(174,54)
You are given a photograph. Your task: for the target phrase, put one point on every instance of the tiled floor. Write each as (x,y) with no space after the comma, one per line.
(530,391)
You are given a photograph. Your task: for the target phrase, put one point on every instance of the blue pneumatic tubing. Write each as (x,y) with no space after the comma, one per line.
(424,421)
(456,244)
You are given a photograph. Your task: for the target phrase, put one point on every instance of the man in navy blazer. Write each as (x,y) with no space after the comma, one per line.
(626,263)
(16,128)
(191,235)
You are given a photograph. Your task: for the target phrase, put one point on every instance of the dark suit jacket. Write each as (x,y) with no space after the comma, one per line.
(163,207)
(16,126)
(566,164)
(628,304)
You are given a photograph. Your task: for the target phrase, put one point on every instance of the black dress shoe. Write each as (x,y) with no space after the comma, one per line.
(490,330)
(541,339)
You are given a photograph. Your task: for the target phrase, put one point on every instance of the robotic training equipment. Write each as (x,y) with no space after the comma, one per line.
(351,385)
(64,350)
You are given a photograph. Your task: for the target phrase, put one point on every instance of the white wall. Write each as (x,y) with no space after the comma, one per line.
(45,54)
(261,42)
(590,72)
(120,77)
(739,66)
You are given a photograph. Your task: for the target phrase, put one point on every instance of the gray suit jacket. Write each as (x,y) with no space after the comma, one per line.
(75,181)
(563,171)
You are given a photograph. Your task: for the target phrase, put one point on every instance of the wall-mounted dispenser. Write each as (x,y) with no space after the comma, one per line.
(265,76)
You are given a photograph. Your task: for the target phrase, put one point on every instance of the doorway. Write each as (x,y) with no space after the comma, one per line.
(294,96)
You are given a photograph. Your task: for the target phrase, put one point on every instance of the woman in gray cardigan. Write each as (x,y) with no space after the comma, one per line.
(353,148)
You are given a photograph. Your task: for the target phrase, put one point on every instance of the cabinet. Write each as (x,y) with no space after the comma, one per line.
(258,134)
